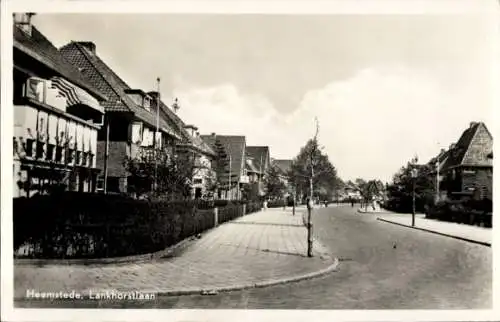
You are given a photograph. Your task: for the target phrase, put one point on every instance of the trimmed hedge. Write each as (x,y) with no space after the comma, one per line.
(471,212)
(84,225)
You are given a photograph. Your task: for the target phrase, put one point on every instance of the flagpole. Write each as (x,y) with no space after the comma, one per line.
(229,187)
(157,129)
(260,173)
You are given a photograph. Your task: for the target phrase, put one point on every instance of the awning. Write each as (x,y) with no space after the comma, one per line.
(75,95)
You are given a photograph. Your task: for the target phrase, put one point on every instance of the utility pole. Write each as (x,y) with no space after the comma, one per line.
(106,155)
(156,146)
(229,179)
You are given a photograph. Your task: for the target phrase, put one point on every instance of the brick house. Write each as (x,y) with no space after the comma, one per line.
(57,115)
(258,161)
(283,167)
(468,165)
(130,117)
(236,176)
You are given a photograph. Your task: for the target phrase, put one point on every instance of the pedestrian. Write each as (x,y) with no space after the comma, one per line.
(265,205)
(352,203)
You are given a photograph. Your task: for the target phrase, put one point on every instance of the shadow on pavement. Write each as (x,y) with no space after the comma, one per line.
(262,224)
(267,250)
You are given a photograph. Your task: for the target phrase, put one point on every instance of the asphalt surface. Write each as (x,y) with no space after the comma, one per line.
(382,266)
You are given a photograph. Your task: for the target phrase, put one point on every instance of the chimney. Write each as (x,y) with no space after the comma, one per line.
(213,133)
(23,21)
(90,46)
(472,124)
(452,146)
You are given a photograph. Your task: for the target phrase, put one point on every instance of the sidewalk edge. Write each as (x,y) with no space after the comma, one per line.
(438,233)
(214,291)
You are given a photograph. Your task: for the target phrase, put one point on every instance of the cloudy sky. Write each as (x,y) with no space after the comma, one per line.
(383,87)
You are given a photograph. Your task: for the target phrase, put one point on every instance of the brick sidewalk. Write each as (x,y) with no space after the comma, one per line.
(263,247)
(462,231)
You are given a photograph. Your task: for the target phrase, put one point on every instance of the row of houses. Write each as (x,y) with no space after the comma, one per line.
(76,121)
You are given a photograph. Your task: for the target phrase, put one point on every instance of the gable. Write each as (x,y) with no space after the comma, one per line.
(480,146)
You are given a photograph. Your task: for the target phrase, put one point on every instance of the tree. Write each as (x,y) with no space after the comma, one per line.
(325,174)
(400,191)
(275,187)
(221,163)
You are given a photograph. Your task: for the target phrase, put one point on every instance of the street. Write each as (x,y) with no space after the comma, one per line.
(382,266)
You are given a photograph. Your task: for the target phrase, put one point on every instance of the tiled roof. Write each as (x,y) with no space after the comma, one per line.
(283,165)
(40,48)
(104,78)
(234,145)
(472,148)
(259,154)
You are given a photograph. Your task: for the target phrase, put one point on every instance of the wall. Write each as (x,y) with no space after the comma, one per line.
(481,178)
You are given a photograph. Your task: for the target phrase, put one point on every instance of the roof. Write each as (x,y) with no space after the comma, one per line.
(472,148)
(284,166)
(106,80)
(235,147)
(194,142)
(442,157)
(260,156)
(40,48)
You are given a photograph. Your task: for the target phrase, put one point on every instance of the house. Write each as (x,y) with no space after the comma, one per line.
(191,142)
(468,167)
(352,192)
(235,176)
(257,164)
(284,166)
(437,163)
(131,119)
(204,175)
(57,116)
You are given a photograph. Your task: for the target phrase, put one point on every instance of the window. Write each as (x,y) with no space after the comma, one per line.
(198,181)
(50,152)
(91,160)
(78,158)
(69,156)
(59,153)
(85,157)
(29,147)
(40,149)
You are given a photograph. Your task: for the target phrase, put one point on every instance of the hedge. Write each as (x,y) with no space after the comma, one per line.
(84,225)
(472,212)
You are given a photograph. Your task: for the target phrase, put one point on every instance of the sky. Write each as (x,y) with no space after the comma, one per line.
(384,88)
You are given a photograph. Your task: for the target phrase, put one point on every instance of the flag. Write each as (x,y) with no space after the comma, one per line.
(66,89)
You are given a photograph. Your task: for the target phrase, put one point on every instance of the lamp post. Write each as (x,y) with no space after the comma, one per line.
(414,174)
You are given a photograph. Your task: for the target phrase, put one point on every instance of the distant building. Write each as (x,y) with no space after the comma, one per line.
(57,114)
(284,166)
(468,165)
(235,176)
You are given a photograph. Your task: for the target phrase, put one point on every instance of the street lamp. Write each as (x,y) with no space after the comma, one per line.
(414,174)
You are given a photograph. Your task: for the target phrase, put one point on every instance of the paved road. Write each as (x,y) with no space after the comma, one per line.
(423,271)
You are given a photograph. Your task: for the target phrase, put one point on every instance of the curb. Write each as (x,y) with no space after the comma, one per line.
(438,233)
(214,291)
(224,289)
